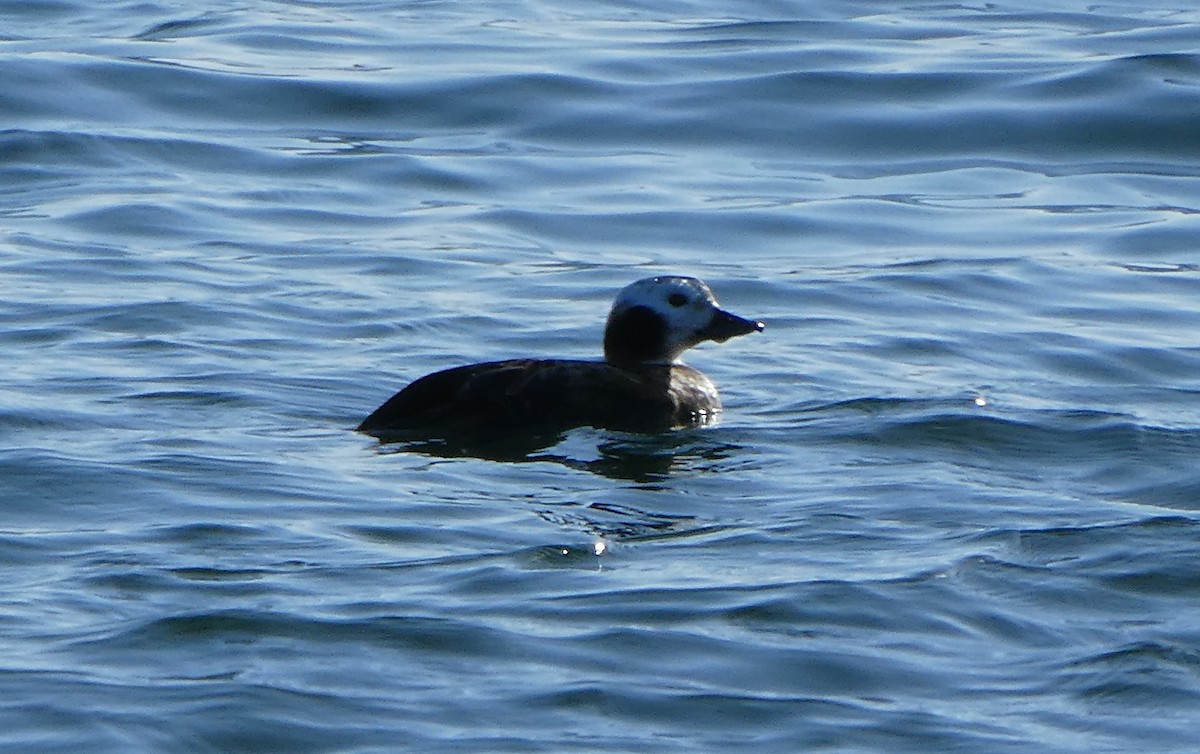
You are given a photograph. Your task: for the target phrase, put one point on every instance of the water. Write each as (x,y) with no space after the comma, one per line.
(953,505)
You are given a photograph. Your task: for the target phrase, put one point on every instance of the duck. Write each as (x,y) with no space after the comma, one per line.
(639,386)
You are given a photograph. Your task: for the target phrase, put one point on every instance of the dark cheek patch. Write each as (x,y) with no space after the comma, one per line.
(635,335)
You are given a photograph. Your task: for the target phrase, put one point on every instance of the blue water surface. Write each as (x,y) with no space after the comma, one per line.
(953,504)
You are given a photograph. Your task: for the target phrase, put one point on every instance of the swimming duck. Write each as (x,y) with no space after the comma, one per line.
(640,386)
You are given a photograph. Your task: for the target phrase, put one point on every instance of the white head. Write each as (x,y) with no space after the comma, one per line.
(655,320)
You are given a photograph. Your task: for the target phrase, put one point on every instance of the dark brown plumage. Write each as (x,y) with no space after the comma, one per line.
(550,394)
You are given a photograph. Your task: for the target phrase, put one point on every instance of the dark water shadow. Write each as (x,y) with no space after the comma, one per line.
(647,463)
(628,457)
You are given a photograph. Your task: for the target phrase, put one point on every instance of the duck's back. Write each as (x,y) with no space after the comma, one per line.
(521,394)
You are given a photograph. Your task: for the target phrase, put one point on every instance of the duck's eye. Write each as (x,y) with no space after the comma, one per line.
(677,300)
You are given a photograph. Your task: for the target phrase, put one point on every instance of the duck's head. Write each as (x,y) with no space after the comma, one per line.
(655,320)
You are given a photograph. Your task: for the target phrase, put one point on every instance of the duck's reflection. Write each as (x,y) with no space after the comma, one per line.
(617,456)
(647,470)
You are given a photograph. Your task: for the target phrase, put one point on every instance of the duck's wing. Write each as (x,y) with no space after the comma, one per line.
(443,397)
(519,394)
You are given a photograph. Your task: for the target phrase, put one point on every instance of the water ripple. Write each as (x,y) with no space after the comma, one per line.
(952,502)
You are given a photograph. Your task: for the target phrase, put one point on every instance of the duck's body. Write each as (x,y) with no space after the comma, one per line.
(638,387)
(522,394)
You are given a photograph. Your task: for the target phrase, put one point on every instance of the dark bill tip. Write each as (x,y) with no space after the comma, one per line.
(725,326)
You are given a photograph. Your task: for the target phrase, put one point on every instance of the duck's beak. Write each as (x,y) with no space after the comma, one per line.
(725,326)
